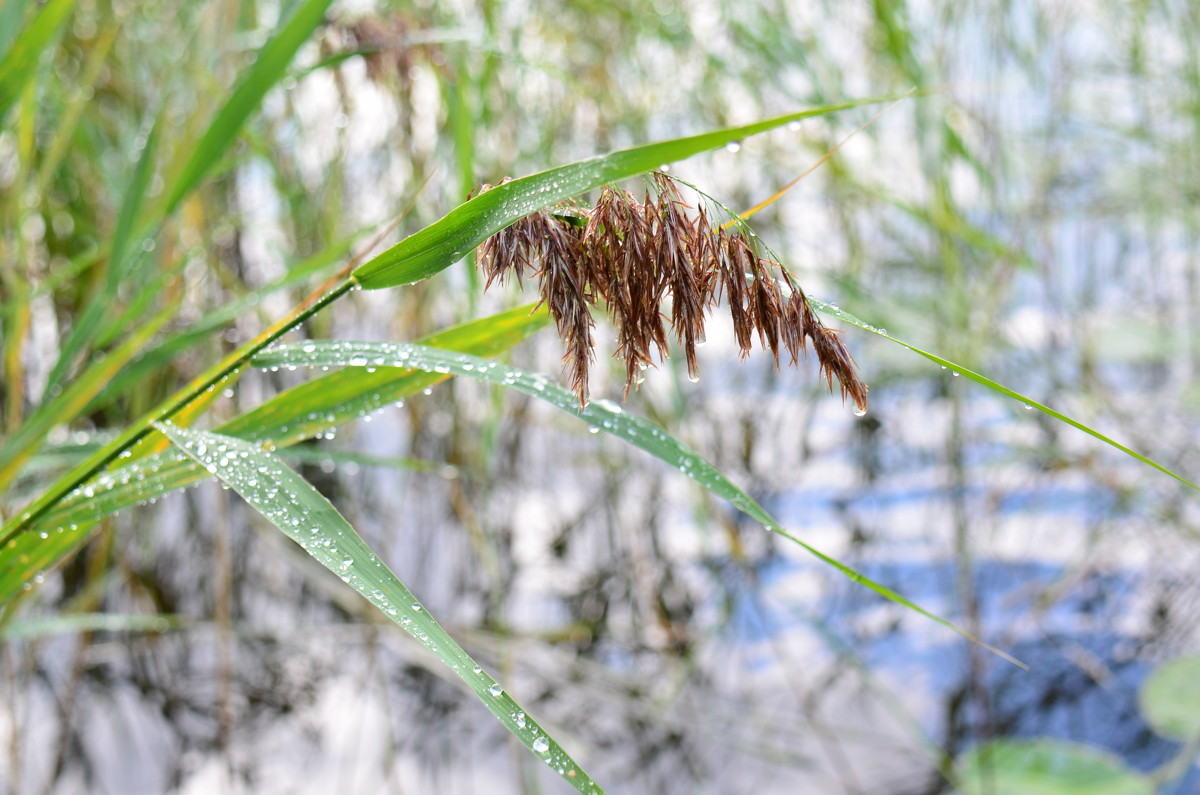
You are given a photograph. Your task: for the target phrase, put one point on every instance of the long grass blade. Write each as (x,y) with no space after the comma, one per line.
(444,242)
(599,414)
(983,380)
(20,62)
(268,68)
(290,503)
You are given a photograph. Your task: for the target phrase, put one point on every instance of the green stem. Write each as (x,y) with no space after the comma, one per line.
(164,411)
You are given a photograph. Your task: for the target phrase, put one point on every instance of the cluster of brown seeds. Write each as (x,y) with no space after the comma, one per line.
(633,255)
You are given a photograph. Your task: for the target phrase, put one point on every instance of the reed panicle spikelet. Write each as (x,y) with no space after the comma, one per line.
(633,255)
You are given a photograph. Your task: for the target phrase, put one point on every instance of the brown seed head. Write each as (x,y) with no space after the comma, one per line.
(633,255)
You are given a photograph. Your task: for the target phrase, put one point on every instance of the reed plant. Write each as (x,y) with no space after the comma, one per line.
(658,265)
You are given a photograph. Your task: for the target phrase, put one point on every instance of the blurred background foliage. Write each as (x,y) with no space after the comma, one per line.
(1034,216)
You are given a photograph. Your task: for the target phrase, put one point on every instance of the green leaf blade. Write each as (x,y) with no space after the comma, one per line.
(268,69)
(983,380)
(20,61)
(443,243)
(291,504)
(599,414)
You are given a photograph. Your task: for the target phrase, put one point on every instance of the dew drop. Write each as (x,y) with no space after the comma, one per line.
(733,147)
(860,412)
(495,690)
(541,745)
(593,429)
(665,167)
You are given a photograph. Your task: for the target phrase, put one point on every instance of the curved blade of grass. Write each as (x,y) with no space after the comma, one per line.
(290,503)
(978,378)
(600,414)
(268,68)
(326,402)
(289,417)
(20,62)
(444,242)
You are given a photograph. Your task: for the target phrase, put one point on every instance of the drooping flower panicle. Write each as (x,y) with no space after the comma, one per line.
(633,255)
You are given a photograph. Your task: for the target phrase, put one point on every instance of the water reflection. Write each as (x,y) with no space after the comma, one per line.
(677,646)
